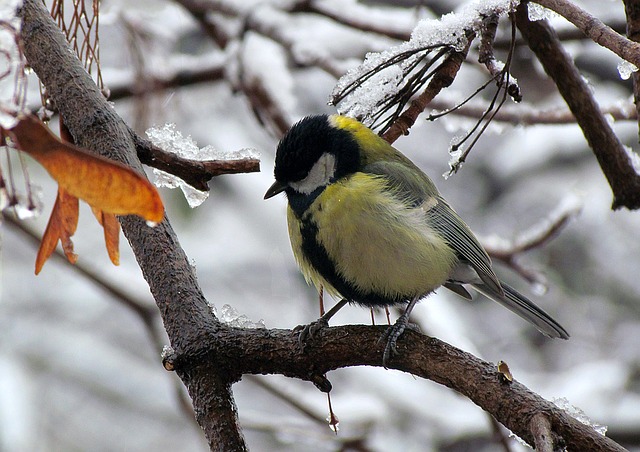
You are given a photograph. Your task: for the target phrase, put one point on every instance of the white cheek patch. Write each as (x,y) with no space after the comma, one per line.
(320,175)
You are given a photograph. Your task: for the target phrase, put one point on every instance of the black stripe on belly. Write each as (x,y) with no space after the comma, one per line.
(317,255)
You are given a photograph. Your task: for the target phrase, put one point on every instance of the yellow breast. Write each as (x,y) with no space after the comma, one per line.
(376,242)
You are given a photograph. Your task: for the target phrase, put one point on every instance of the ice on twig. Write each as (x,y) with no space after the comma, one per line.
(625,69)
(580,415)
(634,157)
(230,316)
(538,12)
(171,140)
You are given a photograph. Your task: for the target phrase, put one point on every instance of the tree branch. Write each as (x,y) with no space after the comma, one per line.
(595,29)
(632,11)
(541,430)
(95,126)
(609,151)
(194,172)
(265,351)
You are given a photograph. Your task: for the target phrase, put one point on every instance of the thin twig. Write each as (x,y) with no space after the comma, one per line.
(285,397)
(441,79)
(595,29)
(538,235)
(194,172)
(527,114)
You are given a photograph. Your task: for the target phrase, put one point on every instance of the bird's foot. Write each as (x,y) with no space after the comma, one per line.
(391,336)
(308,332)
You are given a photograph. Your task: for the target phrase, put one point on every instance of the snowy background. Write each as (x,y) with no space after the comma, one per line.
(80,372)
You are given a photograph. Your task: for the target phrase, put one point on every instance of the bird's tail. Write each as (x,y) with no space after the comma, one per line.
(521,305)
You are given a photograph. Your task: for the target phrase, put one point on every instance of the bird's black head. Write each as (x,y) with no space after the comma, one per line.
(310,140)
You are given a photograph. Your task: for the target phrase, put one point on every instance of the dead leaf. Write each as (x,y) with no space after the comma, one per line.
(111,228)
(104,184)
(61,226)
(110,188)
(504,371)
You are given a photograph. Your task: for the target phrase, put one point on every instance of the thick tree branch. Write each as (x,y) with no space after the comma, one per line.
(95,126)
(264,351)
(609,151)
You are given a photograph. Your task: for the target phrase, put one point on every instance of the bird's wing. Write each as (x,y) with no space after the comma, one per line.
(447,222)
(418,190)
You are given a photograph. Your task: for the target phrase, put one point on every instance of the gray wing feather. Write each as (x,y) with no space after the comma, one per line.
(525,308)
(447,222)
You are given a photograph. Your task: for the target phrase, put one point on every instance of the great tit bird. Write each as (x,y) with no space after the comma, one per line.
(369,226)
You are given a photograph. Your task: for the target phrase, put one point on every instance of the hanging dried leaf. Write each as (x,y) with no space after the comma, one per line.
(104,184)
(111,227)
(110,188)
(61,226)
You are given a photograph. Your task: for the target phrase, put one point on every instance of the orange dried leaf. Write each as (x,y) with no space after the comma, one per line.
(111,227)
(104,184)
(61,226)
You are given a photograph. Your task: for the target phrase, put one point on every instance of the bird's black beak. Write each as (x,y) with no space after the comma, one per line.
(277,187)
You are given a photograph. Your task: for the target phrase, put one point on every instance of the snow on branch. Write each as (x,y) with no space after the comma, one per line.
(402,70)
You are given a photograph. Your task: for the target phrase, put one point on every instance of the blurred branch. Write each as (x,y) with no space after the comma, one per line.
(527,114)
(194,172)
(268,20)
(499,434)
(147,314)
(357,16)
(609,151)
(199,10)
(274,390)
(565,34)
(266,351)
(267,104)
(509,252)
(185,77)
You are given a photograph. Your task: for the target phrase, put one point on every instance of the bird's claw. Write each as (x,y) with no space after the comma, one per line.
(308,332)
(391,336)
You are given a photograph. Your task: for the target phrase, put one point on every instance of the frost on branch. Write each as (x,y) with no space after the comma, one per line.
(233,318)
(580,415)
(171,140)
